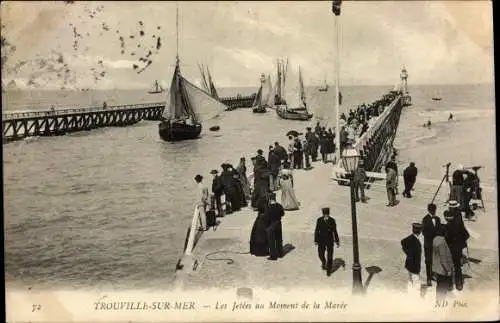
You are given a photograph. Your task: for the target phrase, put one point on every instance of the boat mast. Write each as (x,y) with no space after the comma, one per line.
(177,31)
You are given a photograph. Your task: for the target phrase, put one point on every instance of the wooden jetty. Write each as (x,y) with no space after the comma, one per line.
(17,126)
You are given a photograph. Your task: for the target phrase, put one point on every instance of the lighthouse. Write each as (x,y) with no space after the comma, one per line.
(406,98)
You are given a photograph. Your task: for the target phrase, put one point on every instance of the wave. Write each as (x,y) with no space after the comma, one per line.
(457,114)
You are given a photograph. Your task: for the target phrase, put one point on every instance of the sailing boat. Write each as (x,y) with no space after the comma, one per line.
(261,99)
(156,88)
(187,107)
(324,88)
(207,82)
(295,107)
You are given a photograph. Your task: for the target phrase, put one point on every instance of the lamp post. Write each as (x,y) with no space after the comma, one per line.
(336,5)
(350,160)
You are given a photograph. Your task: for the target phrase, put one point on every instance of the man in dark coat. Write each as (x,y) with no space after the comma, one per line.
(456,237)
(274,168)
(468,187)
(412,247)
(217,190)
(280,151)
(409,176)
(325,235)
(323,143)
(231,188)
(430,225)
(274,213)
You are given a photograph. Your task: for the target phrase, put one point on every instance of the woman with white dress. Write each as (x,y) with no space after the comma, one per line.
(288,198)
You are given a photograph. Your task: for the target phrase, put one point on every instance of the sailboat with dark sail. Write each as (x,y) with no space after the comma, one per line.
(156,88)
(295,106)
(186,108)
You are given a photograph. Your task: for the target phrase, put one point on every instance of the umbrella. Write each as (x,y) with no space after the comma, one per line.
(293,133)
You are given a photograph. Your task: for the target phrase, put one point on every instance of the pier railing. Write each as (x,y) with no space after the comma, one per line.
(63,112)
(376,125)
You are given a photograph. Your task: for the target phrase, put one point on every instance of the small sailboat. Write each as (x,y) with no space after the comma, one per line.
(295,106)
(156,88)
(264,95)
(324,87)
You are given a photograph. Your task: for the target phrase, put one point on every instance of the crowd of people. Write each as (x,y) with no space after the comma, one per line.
(444,243)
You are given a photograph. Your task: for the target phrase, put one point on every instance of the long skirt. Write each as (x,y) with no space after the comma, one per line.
(288,198)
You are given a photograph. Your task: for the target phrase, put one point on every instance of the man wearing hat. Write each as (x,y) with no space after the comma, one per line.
(456,237)
(325,235)
(274,213)
(202,201)
(217,190)
(274,168)
(412,247)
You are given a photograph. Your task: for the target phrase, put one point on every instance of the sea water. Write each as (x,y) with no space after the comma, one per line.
(110,207)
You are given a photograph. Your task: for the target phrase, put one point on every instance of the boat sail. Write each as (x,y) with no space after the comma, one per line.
(324,87)
(294,107)
(260,103)
(156,88)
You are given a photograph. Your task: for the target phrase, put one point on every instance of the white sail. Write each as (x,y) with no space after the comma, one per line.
(266,89)
(272,92)
(293,93)
(203,105)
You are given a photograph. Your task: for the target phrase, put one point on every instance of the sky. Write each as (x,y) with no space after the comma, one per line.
(438,42)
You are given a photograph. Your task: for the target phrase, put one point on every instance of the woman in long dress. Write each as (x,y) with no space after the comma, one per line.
(242,170)
(288,198)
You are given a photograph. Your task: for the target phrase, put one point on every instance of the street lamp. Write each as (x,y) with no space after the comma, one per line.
(350,160)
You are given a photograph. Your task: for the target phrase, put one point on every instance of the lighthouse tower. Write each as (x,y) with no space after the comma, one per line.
(406,98)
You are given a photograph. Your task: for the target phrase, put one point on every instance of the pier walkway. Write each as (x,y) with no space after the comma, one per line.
(19,125)
(221,256)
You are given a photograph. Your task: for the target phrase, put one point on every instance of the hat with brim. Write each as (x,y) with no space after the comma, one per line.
(198,178)
(214,171)
(453,203)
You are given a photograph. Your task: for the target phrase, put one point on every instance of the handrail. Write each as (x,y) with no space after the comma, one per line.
(192,232)
(60,112)
(362,140)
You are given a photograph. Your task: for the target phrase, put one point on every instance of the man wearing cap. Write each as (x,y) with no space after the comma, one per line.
(456,237)
(325,235)
(217,190)
(430,224)
(201,201)
(412,247)
(274,213)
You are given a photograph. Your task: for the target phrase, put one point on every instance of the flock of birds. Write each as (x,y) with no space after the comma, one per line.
(55,67)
